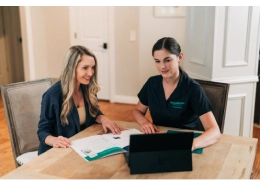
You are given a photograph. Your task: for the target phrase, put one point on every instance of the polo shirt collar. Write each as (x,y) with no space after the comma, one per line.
(180,89)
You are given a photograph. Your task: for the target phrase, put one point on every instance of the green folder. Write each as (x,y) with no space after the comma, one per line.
(197,151)
(107,152)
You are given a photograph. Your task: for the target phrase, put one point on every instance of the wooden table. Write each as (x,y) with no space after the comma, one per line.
(231,157)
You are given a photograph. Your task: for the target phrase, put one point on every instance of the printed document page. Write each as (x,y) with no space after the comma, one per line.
(121,140)
(99,146)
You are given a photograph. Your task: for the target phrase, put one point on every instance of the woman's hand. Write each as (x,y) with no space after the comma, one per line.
(139,114)
(108,124)
(193,147)
(61,142)
(148,128)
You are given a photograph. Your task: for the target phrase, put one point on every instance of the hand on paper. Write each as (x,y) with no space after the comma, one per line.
(148,128)
(61,142)
(108,124)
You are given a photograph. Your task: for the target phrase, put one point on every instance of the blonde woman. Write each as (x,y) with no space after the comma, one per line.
(71,104)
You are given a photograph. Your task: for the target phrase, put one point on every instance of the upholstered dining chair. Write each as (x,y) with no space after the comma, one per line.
(22,104)
(217,94)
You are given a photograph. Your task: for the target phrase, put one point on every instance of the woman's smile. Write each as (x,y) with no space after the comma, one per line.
(87,78)
(164,72)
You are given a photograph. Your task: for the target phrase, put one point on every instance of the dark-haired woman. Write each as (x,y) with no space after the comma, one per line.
(173,98)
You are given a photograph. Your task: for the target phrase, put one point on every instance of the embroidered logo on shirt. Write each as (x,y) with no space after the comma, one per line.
(177,105)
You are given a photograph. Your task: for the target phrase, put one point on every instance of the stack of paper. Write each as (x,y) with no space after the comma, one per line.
(99,146)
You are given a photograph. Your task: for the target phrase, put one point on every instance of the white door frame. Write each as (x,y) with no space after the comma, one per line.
(111,49)
(111,54)
(27,44)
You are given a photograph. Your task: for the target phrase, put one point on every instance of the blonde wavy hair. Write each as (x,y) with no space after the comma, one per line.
(68,82)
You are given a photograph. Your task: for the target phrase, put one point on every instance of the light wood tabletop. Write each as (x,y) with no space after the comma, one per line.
(232,157)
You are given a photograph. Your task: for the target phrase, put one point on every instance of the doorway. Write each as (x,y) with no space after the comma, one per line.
(11,60)
(89,27)
(3,63)
(257,96)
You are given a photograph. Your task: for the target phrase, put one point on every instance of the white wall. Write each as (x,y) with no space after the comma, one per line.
(237,49)
(152,29)
(57,31)
(45,32)
(39,42)
(34,45)
(199,41)
(223,47)
(133,59)
(46,39)
(126,51)
(236,42)
(26,44)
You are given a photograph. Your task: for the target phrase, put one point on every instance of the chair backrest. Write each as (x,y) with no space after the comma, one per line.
(22,103)
(217,94)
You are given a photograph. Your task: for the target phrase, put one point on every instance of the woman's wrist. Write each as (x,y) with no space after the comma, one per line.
(49,140)
(194,145)
(100,119)
(143,121)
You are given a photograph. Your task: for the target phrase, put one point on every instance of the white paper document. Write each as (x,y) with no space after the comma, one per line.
(99,146)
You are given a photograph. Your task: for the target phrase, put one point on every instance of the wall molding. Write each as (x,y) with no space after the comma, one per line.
(233,80)
(250,134)
(237,80)
(197,61)
(241,97)
(258,43)
(203,59)
(196,76)
(227,63)
(126,99)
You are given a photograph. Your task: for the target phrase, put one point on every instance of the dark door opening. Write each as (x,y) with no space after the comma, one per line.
(257,96)
(13,43)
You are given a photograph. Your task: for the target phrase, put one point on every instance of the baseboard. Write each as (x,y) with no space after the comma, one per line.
(125,99)
(256,125)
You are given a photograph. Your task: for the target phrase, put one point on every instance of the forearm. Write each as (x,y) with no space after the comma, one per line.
(49,140)
(101,118)
(108,124)
(207,138)
(139,117)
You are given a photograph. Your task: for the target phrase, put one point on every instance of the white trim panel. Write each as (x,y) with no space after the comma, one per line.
(239,80)
(242,98)
(29,38)
(111,54)
(200,61)
(226,62)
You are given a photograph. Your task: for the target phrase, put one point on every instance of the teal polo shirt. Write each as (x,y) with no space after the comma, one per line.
(182,109)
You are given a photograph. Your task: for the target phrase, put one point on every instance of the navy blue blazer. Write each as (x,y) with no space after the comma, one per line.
(50,123)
